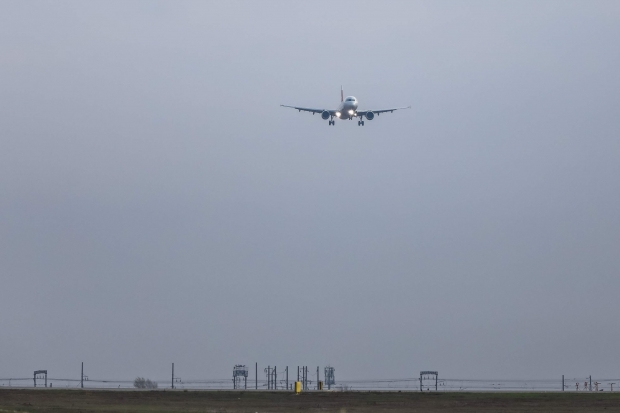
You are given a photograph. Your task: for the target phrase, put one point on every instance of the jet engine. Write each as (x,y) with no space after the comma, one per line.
(325,115)
(370,115)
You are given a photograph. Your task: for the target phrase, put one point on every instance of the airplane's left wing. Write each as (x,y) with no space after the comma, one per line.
(376,112)
(307,109)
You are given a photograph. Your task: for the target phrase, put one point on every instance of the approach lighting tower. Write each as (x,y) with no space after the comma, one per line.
(330,377)
(41,374)
(240,372)
(426,379)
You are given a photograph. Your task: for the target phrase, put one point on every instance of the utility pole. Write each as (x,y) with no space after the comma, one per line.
(172,382)
(590,382)
(297,373)
(286,377)
(82,377)
(317,377)
(275,378)
(256,376)
(562,382)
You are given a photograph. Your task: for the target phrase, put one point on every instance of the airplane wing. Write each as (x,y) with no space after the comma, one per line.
(332,112)
(376,112)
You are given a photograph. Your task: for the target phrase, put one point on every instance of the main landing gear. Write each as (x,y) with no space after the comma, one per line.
(332,122)
(360,123)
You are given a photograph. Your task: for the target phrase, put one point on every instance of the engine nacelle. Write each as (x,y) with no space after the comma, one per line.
(325,115)
(370,115)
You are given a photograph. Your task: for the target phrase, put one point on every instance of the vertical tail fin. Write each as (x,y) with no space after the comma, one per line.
(341,94)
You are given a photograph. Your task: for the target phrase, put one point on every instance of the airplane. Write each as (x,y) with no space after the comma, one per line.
(346,110)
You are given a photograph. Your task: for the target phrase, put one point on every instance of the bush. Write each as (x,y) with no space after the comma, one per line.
(142,383)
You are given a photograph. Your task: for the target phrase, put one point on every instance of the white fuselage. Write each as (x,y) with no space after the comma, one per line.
(348,108)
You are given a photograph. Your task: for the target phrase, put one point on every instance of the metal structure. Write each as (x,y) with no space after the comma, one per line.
(272,377)
(428,376)
(240,372)
(304,377)
(83,378)
(42,374)
(330,377)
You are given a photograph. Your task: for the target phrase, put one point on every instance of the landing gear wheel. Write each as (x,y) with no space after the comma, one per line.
(359,123)
(362,123)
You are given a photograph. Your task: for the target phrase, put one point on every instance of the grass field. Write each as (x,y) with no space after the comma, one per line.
(24,400)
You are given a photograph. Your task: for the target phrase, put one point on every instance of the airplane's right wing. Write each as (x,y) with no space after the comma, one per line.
(332,112)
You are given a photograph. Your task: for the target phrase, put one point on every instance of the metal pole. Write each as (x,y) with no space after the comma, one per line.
(172,382)
(256,376)
(275,378)
(297,373)
(46,380)
(436,382)
(420,381)
(317,377)
(562,382)
(590,382)
(286,377)
(82,377)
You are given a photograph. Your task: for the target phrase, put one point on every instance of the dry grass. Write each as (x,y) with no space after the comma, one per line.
(21,400)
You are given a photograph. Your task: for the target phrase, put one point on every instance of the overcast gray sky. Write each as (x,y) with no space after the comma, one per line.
(157,205)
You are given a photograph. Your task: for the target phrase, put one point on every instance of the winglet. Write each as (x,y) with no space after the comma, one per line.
(341,94)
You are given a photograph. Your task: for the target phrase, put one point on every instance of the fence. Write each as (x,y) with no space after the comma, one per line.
(573,384)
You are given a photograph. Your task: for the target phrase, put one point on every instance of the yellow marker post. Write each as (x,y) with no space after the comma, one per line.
(297,387)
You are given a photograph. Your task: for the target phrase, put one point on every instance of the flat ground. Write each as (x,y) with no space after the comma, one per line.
(52,400)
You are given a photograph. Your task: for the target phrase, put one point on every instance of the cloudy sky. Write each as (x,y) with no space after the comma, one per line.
(157,205)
